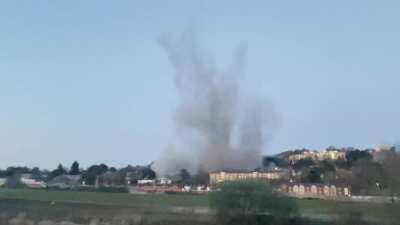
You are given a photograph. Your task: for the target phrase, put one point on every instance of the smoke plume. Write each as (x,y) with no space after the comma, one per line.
(227,134)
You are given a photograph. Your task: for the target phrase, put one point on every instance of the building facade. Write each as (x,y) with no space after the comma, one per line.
(3,181)
(222,176)
(32,183)
(318,156)
(316,191)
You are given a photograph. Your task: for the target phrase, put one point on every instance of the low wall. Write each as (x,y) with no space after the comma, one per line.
(376,199)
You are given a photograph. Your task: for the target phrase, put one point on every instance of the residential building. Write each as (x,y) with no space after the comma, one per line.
(164,181)
(318,155)
(146,182)
(316,191)
(3,181)
(222,176)
(31,183)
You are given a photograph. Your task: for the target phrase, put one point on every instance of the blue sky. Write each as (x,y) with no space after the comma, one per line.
(87,80)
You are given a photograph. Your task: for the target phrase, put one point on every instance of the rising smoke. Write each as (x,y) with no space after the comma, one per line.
(229,134)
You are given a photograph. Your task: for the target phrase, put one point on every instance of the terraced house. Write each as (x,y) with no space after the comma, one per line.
(316,191)
(222,176)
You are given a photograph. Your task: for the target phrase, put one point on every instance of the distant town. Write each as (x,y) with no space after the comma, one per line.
(332,173)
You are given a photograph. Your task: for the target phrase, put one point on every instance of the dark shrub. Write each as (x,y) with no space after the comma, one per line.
(251,203)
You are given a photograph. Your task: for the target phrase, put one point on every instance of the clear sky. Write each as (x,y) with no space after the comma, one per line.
(87,80)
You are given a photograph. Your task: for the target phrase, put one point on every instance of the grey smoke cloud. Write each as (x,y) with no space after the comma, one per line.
(171,161)
(229,133)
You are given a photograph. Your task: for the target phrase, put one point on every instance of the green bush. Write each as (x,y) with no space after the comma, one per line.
(251,203)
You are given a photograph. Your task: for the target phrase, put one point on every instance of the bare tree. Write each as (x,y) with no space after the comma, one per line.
(391,170)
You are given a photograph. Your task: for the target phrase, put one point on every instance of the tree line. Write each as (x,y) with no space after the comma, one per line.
(88,175)
(118,176)
(368,172)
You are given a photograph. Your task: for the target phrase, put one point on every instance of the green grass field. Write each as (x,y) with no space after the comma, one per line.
(161,204)
(82,207)
(121,199)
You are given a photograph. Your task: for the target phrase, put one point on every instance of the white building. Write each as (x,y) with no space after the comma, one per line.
(33,183)
(164,181)
(146,182)
(318,155)
(3,181)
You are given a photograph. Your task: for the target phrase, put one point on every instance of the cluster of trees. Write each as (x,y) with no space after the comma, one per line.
(114,176)
(252,203)
(377,177)
(367,174)
(39,174)
(118,177)
(11,171)
(257,203)
(89,175)
(271,161)
(316,171)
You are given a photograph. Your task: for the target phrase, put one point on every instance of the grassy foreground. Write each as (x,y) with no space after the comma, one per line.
(57,203)
(121,199)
